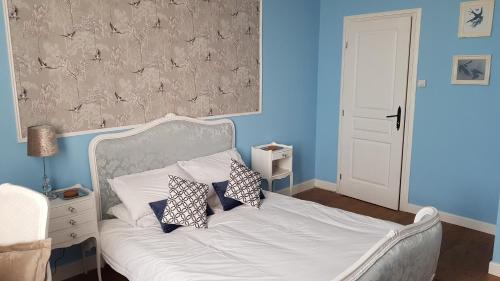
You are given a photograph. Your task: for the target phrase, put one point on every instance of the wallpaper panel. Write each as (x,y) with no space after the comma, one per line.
(83,65)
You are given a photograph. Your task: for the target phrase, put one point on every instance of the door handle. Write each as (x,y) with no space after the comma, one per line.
(398,116)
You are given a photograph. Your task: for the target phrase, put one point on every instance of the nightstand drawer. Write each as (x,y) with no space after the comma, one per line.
(73,233)
(280,154)
(70,221)
(71,208)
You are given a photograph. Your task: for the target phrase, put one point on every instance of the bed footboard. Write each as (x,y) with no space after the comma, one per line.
(410,254)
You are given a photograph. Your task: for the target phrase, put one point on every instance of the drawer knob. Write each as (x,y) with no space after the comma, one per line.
(72,209)
(73,235)
(72,222)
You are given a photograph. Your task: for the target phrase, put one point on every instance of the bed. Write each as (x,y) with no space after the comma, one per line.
(287,239)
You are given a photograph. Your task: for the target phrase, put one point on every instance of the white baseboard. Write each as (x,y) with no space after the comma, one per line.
(75,268)
(458,220)
(310,184)
(298,188)
(330,186)
(412,208)
(494,268)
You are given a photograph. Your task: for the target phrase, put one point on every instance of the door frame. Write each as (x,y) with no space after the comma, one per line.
(416,15)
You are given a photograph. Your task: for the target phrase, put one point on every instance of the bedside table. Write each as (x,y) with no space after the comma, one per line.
(273,164)
(74,221)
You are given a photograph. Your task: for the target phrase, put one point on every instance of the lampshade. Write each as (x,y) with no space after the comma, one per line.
(42,141)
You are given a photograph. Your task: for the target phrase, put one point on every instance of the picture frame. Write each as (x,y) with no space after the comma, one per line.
(471,70)
(476,18)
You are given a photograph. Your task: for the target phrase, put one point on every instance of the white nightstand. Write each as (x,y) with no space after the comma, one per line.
(73,222)
(273,164)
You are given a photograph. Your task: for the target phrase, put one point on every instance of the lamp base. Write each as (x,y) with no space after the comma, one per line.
(51,196)
(46,187)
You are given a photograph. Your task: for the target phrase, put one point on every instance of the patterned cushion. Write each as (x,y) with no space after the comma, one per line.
(244,185)
(226,202)
(187,203)
(158,208)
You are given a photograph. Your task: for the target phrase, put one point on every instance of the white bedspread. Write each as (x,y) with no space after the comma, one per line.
(287,239)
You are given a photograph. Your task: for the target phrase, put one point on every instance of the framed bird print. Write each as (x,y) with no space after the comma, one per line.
(476,18)
(92,66)
(471,70)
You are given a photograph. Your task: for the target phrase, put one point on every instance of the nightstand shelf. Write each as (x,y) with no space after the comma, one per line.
(280,173)
(73,222)
(273,164)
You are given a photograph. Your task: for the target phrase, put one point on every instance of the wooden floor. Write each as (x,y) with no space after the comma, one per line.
(465,253)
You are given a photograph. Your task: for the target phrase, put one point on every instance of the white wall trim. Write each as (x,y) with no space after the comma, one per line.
(411,208)
(326,185)
(410,109)
(416,15)
(307,185)
(75,268)
(494,268)
(458,220)
(298,188)
(11,68)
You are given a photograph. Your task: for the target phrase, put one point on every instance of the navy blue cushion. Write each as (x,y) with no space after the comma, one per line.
(226,202)
(159,207)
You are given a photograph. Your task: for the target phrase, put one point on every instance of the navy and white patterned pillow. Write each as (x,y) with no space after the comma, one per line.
(187,203)
(158,208)
(226,202)
(244,185)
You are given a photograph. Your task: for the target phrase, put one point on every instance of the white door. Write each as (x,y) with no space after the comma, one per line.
(374,86)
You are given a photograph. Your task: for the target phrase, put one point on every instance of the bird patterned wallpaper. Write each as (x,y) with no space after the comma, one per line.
(82,65)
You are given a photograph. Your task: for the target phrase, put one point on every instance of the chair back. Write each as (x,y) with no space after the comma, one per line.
(23,215)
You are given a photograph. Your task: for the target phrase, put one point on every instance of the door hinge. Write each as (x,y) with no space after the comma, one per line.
(346,44)
(340,176)
(342,112)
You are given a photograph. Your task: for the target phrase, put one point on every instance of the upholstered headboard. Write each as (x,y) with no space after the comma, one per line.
(152,146)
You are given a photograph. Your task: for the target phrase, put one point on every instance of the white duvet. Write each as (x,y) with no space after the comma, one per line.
(287,239)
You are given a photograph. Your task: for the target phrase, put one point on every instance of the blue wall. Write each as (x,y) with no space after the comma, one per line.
(456,142)
(456,146)
(496,249)
(289,105)
(290,44)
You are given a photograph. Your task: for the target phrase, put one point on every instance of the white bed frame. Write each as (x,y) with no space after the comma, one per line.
(410,253)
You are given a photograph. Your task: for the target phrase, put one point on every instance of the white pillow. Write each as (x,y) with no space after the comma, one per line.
(210,169)
(136,191)
(120,212)
(148,221)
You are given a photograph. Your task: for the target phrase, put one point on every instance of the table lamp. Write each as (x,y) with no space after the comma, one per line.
(42,142)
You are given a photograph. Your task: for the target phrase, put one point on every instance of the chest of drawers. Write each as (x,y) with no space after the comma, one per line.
(74,221)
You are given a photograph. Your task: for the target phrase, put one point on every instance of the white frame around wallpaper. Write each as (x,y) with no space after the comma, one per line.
(20,139)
